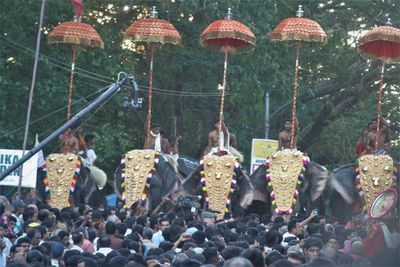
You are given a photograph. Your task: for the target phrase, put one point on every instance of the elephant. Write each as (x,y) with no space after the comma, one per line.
(88,188)
(163,182)
(311,193)
(241,198)
(344,198)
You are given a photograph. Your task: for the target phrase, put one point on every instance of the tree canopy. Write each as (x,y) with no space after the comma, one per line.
(337,87)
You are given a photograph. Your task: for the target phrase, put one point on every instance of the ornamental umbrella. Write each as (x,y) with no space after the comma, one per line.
(76,34)
(300,30)
(227,36)
(383,43)
(152,31)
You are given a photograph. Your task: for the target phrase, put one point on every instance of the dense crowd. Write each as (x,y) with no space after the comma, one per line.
(37,235)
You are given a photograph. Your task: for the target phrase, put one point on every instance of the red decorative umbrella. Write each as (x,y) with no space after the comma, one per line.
(227,36)
(76,34)
(152,31)
(383,43)
(300,30)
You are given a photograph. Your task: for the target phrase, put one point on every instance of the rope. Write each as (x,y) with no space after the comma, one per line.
(296,71)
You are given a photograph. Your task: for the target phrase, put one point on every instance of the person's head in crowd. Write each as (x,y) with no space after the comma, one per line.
(312,247)
(230,252)
(313,228)
(43,214)
(73,260)
(164,223)
(282,263)
(77,238)
(297,259)
(357,248)
(334,243)
(192,254)
(87,262)
(254,256)
(57,250)
(143,221)
(35,210)
(272,257)
(28,215)
(92,235)
(319,262)
(44,233)
(111,228)
(121,229)
(104,241)
(238,262)
(255,218)
(320,219)
(211,255)
(188,263)
(166,245)
(208,217)
(25,243)
(64,236)
(147,233)
(279,248)
(117,261)
(34,256)
(199,237)
(19,207)
(293,227)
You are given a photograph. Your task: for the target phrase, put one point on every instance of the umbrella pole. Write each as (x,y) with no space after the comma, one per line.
(71,84)
(296,70)
(379,109)
(221,112)
(148,119)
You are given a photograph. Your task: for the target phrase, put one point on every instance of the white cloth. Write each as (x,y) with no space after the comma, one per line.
(90,157)
(75,247)
(157,142)
(157,238)
(286,235)
(104,251)
(390,238)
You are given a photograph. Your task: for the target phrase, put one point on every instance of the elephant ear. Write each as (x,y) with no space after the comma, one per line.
(191,184)
(316,178)
(342,180)
(168,174)
(257,179)
(187,164)
(245,188)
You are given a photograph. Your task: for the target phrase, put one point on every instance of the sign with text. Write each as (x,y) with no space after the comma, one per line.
(8,157)
(261,149)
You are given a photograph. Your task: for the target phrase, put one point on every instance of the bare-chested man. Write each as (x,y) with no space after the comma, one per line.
(371,134)
(226,140)
(76,143)
(284,137)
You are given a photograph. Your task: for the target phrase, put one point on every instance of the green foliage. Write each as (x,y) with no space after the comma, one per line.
(191,68)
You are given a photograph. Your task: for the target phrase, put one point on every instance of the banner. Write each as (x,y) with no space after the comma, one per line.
(261,149)
(8,157)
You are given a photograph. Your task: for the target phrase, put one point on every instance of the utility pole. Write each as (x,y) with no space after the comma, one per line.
(266,115)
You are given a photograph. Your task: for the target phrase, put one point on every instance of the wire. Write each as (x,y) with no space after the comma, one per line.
(54,112)
(100,78)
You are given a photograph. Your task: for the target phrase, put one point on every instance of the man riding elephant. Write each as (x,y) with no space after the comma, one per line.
(145,176)
(310,194)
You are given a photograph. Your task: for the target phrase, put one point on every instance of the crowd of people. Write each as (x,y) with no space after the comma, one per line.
(37,235)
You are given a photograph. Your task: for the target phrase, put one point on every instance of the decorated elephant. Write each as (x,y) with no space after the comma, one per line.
(64,181)
(356,185)
(309,191)
(145,176)
(223,184)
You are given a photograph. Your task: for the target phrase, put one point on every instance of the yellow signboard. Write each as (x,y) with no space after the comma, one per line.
(261,149)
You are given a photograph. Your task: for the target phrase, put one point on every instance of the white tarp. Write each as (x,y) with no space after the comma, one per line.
(8,157)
